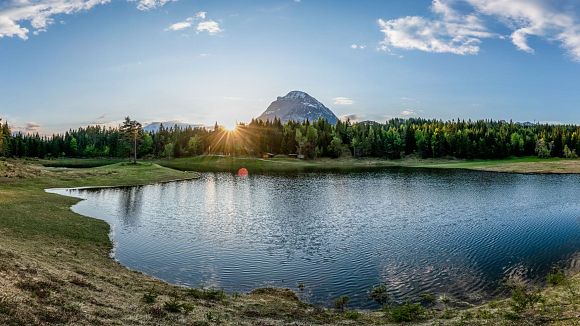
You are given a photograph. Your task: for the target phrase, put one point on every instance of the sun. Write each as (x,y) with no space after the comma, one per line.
(233,127)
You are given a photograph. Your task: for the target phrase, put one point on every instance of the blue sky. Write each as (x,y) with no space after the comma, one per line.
(67,63)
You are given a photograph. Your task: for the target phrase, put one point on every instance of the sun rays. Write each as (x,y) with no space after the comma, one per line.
(233,140)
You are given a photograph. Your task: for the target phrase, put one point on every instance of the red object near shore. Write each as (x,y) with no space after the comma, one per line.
(243,172)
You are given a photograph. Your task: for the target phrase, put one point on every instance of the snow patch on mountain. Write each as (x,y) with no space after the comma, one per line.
(298,106)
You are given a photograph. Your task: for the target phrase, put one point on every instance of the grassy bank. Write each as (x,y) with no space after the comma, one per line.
(55,269)
(285,165)
(232,164)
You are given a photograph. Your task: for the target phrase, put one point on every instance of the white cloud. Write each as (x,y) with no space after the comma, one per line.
(552,20)
(19,18)
(453,31)
(343,101)
(201,24)
(150,4)
(179,26)
(210,26)
(408,113)
(355,46)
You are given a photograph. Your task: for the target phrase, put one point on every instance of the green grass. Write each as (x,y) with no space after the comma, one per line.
(285,165)
(274,165)
(80,162)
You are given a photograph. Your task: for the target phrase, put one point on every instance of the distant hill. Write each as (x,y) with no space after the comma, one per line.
(154,126)
(298,106)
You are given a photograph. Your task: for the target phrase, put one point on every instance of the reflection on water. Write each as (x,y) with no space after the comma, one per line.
(455,232)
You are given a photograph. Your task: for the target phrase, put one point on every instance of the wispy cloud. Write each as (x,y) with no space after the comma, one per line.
(201,23)
(150,4)
(355,46)
(343,101)
(408,113)
(461,32)
(16,15)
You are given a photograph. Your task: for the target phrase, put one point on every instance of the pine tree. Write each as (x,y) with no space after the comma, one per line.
(132,130)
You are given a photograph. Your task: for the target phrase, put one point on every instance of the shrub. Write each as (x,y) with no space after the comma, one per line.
(352,314)
(444,298)
(149,297)
(543,149)
(406,312)
(428,298)
(209,294)
(173,306)
(523,298)
(341,302)
(556,277)
(379,294)
(569,153)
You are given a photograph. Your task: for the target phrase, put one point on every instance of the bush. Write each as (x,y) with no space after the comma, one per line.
(444,298)
(379,294)
(211,295)
(428,298)
(149,297)
(569,153)
(173,306)
(406,312)
(556,277)
(352,314)
(341,302)
(523,298)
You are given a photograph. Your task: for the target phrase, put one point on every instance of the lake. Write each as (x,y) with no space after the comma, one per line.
(460,233)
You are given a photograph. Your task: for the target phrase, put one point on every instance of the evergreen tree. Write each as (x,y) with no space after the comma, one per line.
(132,130)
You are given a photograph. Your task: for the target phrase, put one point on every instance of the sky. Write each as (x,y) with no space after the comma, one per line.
(71,63)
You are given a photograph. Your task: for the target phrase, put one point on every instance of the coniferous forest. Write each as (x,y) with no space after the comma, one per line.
(482,139)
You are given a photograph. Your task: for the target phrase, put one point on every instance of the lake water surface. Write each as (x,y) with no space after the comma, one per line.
(460,233)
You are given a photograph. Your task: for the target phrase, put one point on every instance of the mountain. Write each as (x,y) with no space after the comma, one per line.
(298,106)
(154,126)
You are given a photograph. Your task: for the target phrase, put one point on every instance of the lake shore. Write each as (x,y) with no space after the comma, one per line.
(55,265)
(525,165)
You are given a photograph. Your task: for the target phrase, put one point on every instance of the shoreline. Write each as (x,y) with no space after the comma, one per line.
(215,163)
(462,305)
(88,263)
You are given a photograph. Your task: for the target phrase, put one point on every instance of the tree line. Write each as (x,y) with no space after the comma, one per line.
(481,139)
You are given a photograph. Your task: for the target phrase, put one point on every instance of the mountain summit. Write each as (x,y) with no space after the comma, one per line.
(298,106)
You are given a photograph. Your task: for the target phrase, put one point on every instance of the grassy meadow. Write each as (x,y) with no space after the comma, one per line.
(55,266)
(286,165)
